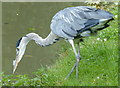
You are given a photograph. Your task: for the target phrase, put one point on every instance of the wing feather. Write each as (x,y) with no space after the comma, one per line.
(68,22)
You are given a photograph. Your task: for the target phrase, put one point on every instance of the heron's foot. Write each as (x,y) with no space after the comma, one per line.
(75,66)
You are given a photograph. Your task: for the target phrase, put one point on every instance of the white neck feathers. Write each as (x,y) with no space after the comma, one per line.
(50,39)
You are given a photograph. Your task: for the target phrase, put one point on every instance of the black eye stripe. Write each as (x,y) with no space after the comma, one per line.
(18,43)
(17,49)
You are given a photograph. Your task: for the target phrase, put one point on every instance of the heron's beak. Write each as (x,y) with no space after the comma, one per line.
(15,64)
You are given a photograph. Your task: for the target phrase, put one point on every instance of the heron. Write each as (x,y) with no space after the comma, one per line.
(71,24)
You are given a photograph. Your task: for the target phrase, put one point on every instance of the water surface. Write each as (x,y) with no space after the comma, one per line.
(21,18)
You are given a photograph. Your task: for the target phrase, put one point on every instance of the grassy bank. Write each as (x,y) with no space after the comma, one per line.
(98,67)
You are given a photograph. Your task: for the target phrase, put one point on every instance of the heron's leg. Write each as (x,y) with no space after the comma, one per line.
(72,43)
(78,57)
(71,71)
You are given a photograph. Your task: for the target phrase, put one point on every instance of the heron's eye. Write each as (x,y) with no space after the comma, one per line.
(17,51)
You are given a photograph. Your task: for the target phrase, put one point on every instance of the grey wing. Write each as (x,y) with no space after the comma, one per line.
(93,13)
(74,20)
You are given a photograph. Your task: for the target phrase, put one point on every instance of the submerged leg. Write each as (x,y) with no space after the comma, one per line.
(77,59)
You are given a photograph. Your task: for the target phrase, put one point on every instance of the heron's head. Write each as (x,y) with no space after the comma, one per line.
(20,50)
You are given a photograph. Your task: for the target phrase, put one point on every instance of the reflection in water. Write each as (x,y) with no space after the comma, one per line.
(22,18)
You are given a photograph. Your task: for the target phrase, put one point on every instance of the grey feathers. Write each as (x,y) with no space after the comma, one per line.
(72,21)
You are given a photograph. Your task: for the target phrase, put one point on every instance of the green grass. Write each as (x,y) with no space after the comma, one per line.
(98,66)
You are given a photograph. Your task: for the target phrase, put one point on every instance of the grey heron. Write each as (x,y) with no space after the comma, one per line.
(70,24)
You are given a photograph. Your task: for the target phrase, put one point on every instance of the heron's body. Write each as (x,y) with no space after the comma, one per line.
(69,23)
(73,21)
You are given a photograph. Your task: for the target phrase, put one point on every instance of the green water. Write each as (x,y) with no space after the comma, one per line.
(18,19)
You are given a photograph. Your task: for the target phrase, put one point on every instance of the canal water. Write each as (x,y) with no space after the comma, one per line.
(20,18)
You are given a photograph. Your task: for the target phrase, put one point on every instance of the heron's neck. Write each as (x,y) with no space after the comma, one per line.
(50,39)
